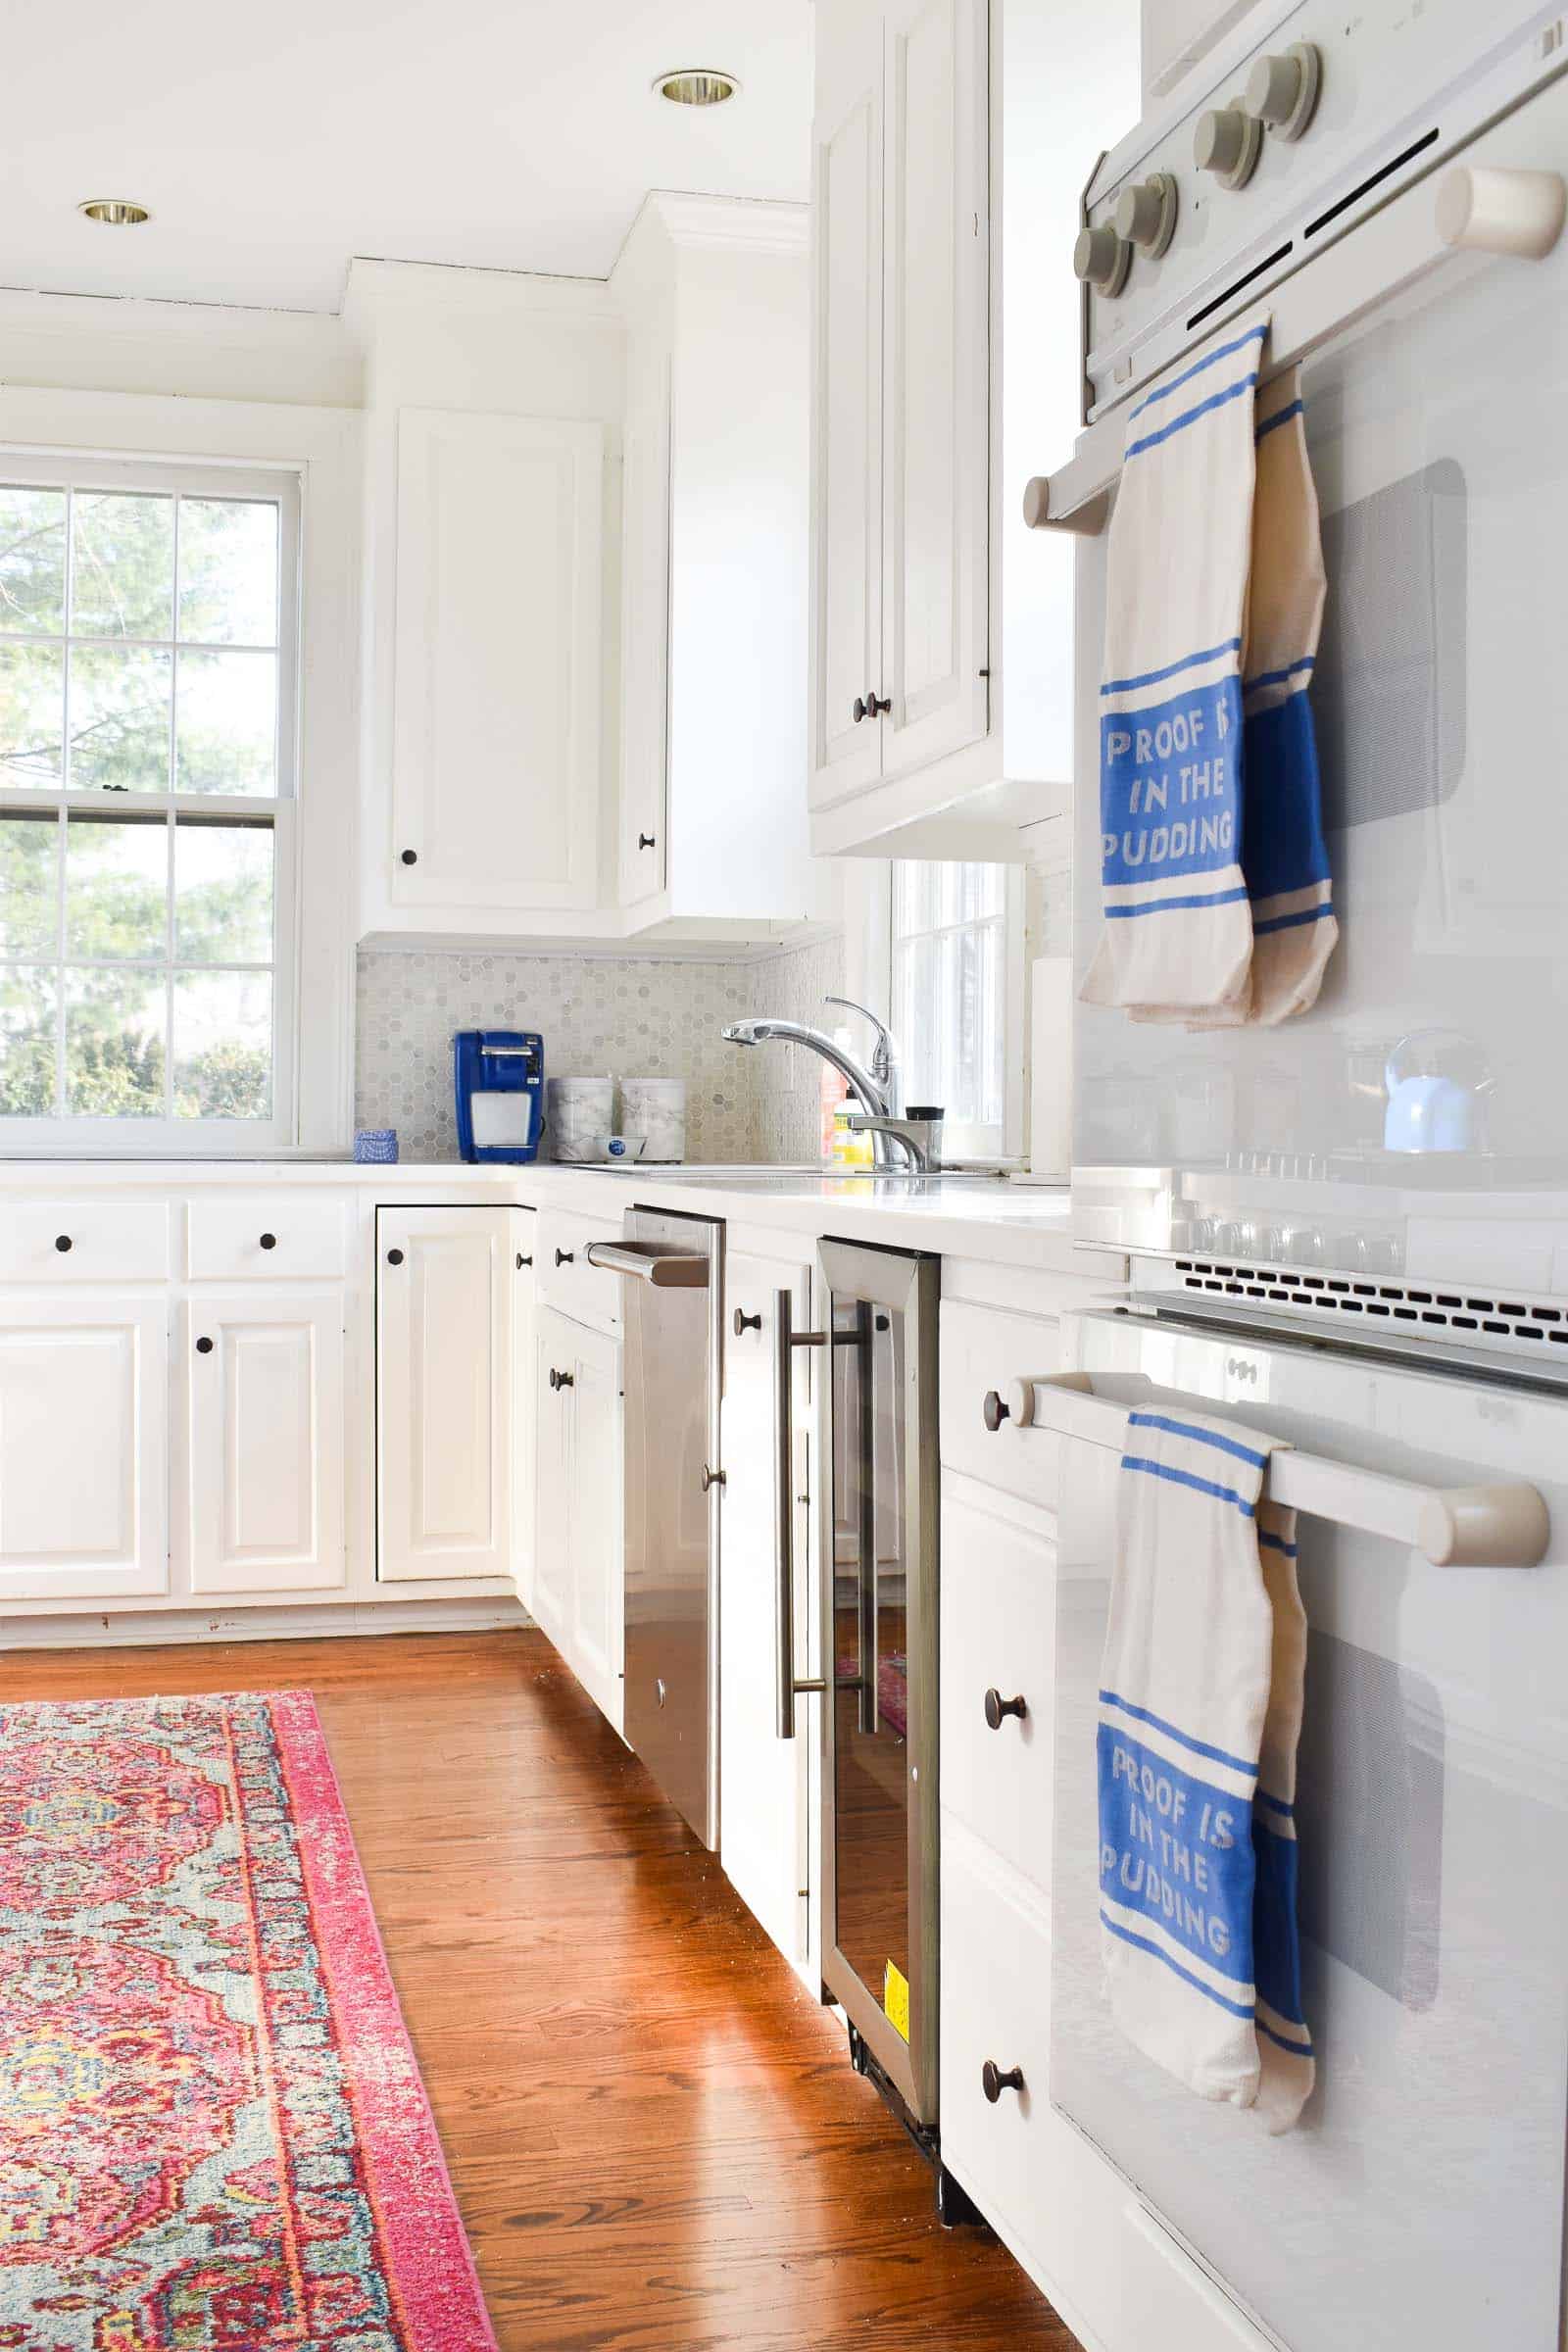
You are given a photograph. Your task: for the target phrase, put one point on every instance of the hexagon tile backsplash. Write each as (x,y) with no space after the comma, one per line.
(617,1016)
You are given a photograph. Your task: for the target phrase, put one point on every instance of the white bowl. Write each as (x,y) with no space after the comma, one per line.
(619,1146)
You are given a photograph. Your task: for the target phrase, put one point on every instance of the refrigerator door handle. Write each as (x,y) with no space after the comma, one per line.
(785,1342)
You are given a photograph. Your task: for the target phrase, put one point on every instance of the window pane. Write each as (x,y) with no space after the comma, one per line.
(222,1046)
(228,570)
(226,736)
(119,698)
(123,565)
(117,888)
(223,894)
(32,559)
(30,873)
(33,713)
(114,1023)
(28,1001)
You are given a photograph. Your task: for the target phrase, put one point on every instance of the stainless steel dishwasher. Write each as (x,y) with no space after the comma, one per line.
(672,1270)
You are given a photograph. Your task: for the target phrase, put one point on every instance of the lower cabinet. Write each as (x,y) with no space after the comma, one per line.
(83,1445)
(266,1470)
(767,1787)
(443,1360)
(579,1555)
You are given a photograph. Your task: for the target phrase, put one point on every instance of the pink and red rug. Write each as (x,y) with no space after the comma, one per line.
(213,2132)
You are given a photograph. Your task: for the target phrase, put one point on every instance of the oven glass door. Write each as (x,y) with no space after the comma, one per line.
(1420,2198)
(1440,701)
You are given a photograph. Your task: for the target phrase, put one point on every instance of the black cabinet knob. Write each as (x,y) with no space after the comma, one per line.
(997,1709)
(713,1477)
(561,1380)
(645,841)
(873,708)
(995,2080)
(746,1322)
(268,1241)
(62,1241)
(565,1257)
(394,1258)
(204,1347)
(995,1412)
(410,856)
(861,709)
(522,1261)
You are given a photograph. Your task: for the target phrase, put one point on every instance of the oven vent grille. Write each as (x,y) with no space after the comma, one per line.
(1471,1318)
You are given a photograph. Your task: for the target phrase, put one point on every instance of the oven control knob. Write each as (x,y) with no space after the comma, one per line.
(1145,213)
(1227,142)
(1282,89)
(1101,259)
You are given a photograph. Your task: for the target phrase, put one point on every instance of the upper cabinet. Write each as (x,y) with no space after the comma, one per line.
(949,150)
(586,519)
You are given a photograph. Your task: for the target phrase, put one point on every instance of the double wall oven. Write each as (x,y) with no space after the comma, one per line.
(1351,1230)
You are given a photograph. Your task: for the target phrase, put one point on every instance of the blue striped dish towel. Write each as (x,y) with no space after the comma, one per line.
(1200,1714)
(1215,873)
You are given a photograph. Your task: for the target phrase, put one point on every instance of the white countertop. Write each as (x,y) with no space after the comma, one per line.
(1014,1224)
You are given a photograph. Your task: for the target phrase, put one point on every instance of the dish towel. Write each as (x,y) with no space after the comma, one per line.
(1214,872)
(1199,1713)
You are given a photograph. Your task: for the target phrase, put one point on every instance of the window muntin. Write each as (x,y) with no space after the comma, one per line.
(147,617)
(950,995)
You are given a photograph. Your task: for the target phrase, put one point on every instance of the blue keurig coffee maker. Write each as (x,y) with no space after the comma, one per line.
(500,1077)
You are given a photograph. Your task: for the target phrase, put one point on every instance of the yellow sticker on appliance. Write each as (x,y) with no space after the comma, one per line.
(896,2000)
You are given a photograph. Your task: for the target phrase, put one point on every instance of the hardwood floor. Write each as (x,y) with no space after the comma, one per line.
(655,2135)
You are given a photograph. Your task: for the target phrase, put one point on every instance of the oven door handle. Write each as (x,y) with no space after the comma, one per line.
(786,1339)
(663,1263)
(1505,1525)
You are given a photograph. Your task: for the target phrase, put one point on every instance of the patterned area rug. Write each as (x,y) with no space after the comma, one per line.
(213,2132)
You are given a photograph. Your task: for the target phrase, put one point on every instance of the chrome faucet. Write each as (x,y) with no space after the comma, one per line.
(879,1090)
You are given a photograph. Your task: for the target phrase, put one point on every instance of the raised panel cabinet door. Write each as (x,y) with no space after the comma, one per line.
(767,1785)
(645,640)
(443,1394)
(550,1603)
(267,1440)
(524,1414)
(596,1535)
(83,1447)
(497,676)
(936,427)
(846,654)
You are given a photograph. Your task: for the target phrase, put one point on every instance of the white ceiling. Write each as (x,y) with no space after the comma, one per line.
(272,144)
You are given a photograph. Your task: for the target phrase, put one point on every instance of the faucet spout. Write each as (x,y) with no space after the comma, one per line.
(874,1101)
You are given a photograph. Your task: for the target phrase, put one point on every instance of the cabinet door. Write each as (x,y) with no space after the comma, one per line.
(443,1402)
(524,1341)
(266,1459)
(846,406)
(596,1529)
(550,1603)
(645,637)
(766,1785)
(496,680)
(936,432)
(83,1447)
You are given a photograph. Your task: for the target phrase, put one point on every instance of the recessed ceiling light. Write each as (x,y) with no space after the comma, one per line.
(697,85)
(117,212)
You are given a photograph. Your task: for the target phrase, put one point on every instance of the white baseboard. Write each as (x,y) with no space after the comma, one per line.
(148,1630)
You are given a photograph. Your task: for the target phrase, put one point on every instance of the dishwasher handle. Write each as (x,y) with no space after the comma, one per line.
(786,1339)
(664,1264)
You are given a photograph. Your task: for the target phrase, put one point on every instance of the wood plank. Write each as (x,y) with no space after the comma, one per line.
(655,2133)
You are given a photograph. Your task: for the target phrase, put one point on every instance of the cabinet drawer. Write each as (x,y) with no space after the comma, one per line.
(265,1235)
(999,1633)
(84,1240)
(981,1350)
(566,1280)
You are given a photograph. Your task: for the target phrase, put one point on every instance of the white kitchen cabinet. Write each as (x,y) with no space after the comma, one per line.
(767,1785)
(901,470)
(83,1445)
(579,1568)
(524,1295)
(266,1430)
(713,820)
(444,1292)
(498,665)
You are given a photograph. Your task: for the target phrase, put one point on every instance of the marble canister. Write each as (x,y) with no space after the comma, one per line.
(578,1111)
(655,1109)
